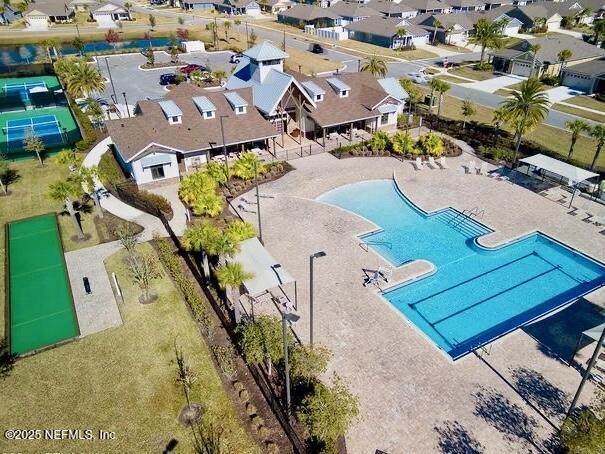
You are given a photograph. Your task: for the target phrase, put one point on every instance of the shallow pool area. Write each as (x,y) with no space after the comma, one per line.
(475,294)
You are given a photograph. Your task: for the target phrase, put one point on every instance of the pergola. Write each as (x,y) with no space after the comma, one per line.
(268,273)
(574,175)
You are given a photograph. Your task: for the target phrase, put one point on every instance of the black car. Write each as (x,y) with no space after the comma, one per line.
(167,79)
(316,49)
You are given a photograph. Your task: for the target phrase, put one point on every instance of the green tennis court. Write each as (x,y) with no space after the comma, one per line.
(41,310)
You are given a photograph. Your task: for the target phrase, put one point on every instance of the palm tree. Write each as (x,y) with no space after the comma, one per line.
(84,79)
(220,75)
(526,108)
(598,29)
(401,32)
(441,88)
(5,172)
(78,44)
(576,127)
(375,66)
(598,134)
(67,191)
(499,117)
(230,276)
(200,238)
(563,56)
(227,27)
(89,177)
(127,6)
(436,24)
(488,35)
(534,48)
(248,166)
(33,144)
(152,21)
(468,110)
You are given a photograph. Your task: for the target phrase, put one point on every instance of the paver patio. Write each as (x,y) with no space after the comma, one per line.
(413,397)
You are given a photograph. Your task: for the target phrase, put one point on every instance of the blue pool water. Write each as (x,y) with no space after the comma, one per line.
(475,294)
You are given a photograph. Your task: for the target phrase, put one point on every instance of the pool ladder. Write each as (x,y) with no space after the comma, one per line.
(467,214)
(364,244)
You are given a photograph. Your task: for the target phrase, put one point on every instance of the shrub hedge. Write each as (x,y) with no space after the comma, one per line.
(89,135)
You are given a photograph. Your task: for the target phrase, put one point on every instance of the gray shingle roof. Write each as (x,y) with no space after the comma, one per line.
(385,26)
(307,13)
(550,46)
(265,51)
(345,9)
(427,5)
(591,68)
(390,7)
(51,7)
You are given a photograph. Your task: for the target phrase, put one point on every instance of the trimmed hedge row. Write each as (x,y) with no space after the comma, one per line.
(171,263)
(89,135)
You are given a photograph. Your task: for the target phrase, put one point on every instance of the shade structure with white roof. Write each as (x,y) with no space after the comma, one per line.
(573,174)
(268,273)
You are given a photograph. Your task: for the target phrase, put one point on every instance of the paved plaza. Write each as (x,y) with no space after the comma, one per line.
(509,398)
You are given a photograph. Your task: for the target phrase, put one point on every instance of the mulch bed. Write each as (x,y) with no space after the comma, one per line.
(167,64)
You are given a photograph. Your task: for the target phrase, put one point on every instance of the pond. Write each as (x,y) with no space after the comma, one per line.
(29,53)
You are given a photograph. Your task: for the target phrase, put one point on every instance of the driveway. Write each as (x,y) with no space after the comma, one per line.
(492,85)
(561,94)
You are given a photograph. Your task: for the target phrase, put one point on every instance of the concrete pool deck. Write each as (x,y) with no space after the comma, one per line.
(413,397)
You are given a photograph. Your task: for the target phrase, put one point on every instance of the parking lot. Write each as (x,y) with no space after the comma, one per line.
(141,84)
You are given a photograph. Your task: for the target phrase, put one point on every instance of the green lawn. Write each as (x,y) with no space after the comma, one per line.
(589,102)
(29,198)
(580,113)
(503,92)
(122,380)
(450,79)
(470,73)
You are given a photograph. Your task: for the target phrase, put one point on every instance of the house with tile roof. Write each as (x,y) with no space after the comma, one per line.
(519,59)
(259,105)
(391,32)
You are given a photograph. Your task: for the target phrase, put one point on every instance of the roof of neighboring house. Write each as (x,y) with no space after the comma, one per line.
(150,126)
(308,13)
(542,9)
(109,8)
(389,7)
(364,98)
(594,5)
(463,21)
(392,86)
(346,9)
(592,68)
(277,2)
(464,3)
(83,3)
(50,8)
(385,26)
(550,46)
(427,5)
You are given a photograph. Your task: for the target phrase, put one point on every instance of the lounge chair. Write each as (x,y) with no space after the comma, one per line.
(580,213)
(418,163)
(432,164)
(598,220)
(442,162)
(483,169)
(471,167)
(372,279)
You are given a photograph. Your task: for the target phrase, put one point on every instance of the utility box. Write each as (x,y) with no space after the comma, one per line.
(192,46)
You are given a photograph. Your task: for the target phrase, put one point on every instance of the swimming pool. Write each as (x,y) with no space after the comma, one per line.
(475,294)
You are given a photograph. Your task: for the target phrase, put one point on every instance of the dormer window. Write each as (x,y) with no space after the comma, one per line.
(238,104)
(205,107)
(339,87)
(173,114)
(317,93)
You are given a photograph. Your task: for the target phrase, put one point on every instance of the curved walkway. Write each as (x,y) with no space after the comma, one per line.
(114,205)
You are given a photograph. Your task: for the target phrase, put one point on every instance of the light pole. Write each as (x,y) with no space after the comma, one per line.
(113,88)
(126,103)
(224,147)
(287,317)
(260,227)
(593,359)
(311,258)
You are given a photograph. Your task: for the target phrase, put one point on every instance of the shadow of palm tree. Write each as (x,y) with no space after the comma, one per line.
(505,416)
(534,387)
(454,438)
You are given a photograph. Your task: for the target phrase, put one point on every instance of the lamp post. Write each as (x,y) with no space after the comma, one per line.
(593,359)
(311,258)
(224,147)
(260,227)
(287,317)
(113,88)
(126,104)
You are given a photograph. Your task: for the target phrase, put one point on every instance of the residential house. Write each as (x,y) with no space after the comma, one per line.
(588,77)
(452,29)
(596,6)
(518,59)
(429,6)
(543,16)
(276,6)
(462,6)
(195,4)
(238,7)
(80,6)
(301,15)
(352,12)
(183,130)
(110,12)
(510,25)
(492,4)
(391,32)
(9,15)
(44,12)
(392,9)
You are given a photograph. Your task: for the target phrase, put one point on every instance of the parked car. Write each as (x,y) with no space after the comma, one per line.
(418,78)
(316,48)
(192,67)
(235,58)
(167,79)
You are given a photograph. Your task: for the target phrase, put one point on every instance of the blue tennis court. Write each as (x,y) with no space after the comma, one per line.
(45,127)
(21,89)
